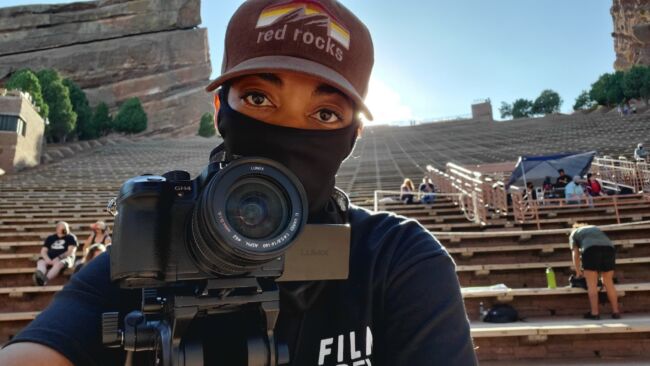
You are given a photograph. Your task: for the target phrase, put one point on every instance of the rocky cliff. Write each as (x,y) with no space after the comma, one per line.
(631,33)
(117,49)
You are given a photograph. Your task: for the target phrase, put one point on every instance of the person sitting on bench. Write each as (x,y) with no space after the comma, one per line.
(57,254)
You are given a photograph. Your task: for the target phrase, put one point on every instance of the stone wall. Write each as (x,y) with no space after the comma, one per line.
(631,33)
(117,49)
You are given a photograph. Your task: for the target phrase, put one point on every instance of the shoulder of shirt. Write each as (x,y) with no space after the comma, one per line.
(388,229)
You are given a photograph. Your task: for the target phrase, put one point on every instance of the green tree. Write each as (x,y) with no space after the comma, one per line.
(615,93)
(645,86)
(548,102)
(25,80)
(61,116)
(633,81)
(206,127)
(102,120)
(85,129)
(131,117)
(47,76)
(598,91)
(522,108)
(505,110)
(583,101)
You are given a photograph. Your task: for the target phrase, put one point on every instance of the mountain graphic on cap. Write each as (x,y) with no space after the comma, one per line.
(300,9)
(320,38)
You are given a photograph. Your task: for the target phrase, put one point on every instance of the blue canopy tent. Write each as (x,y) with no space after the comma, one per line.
(536,168)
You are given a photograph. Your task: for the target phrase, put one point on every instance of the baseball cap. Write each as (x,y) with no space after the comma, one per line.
(321,38)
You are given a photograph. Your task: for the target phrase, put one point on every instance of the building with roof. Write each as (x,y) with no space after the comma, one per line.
(21,131)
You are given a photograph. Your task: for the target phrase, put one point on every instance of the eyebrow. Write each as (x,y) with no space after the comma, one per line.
(324,89)
(272,78)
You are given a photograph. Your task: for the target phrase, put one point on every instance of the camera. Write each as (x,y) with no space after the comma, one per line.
(234,219)
(206,247)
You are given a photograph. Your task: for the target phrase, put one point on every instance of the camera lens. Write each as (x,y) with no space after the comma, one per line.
(257,208)
(248,214)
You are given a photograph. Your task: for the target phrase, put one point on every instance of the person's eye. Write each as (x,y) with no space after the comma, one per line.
(257,99)
(327,116)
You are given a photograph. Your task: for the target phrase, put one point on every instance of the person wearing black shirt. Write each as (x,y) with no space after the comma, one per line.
(562,180)
(291,90)
(57,253)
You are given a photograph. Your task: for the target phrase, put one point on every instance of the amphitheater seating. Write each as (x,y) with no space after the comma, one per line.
(77,189)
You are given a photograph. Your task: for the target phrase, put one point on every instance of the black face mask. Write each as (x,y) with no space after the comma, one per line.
(314,156)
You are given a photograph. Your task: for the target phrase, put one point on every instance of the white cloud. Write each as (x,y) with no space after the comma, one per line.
(385,104)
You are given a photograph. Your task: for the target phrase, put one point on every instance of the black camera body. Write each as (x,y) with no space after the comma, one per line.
(212,246)
(235,219)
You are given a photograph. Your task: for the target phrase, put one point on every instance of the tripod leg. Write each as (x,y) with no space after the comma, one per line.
(258,352)
(191,353)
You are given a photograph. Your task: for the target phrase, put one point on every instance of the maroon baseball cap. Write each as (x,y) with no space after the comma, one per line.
(321,38)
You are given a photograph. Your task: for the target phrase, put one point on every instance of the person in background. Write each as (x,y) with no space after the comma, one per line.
(562,180)
(547,187)
(593,188)
(99,235)
(593,254)
(406,191)
(427,189)
(57,254)
(530,191)
(573,192)
(640,154)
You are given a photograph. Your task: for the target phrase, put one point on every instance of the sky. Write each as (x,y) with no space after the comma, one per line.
(434,58)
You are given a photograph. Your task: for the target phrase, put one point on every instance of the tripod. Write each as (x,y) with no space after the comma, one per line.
(161,325)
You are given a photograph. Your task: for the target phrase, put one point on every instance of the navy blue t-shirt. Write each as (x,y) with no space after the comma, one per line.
(401,305)
(56,245)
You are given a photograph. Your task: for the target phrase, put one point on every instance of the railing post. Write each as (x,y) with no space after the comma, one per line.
(536,208)
(477,216)
(376,201)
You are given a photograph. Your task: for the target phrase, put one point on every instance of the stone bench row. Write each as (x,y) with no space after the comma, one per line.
(59,152)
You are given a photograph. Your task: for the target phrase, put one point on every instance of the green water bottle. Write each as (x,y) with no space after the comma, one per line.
(550,277)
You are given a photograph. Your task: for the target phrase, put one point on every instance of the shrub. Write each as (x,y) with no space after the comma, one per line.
(102,120)
(206,127)
(131,117)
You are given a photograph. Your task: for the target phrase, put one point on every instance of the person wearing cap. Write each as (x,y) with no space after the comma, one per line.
(294,77)
(640,154)
(57,254)
(573,191)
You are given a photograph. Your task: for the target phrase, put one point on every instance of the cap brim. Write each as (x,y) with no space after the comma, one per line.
(267,64)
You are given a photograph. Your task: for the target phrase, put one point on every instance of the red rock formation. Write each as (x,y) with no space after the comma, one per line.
(631,33)
(117,49)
